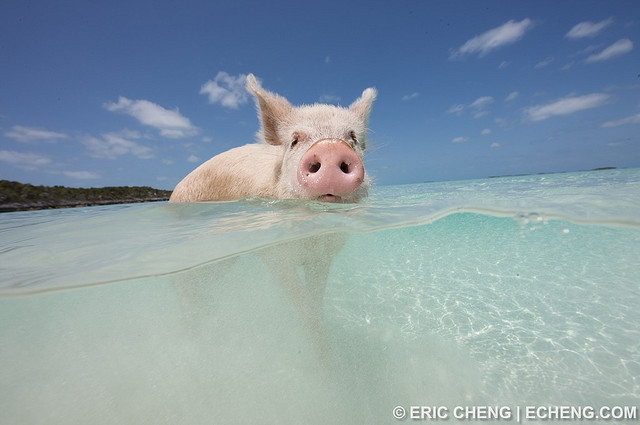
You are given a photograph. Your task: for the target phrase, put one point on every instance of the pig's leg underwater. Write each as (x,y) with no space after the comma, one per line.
(301,268)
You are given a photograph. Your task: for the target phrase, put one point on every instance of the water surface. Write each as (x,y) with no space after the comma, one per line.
(512,291)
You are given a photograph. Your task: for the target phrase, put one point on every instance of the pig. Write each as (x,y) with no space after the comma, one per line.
(311,152)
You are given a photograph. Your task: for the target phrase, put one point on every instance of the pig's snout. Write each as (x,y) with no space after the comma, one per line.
(330,170)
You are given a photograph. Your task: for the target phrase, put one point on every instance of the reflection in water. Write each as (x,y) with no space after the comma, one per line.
(243,340)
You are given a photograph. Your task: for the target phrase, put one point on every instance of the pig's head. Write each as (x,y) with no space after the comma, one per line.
(322,145)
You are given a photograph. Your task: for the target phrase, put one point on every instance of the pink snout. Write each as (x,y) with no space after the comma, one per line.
(330,170)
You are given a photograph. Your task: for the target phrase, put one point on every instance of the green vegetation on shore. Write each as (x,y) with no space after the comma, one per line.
(16,196)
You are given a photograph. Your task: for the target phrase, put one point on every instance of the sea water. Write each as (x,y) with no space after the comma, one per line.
(507,299)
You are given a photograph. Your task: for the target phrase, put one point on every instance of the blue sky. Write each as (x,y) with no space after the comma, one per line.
(141,92)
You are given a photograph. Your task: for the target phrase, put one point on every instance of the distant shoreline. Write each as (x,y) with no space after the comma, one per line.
(15,196)
(550,172)
(50,206)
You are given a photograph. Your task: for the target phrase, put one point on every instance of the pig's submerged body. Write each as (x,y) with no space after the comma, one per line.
(310,152)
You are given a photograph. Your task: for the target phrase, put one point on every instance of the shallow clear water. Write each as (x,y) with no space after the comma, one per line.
(501,292)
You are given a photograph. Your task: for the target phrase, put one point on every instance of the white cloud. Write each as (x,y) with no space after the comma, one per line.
(26,161)
(170,123)
(565,106)
(132,134)
(512,96)
(588,29)
(479,106)
(618,48)
(503,35)
(504,64)
(459,139)
(410,96)
(228,90)
(456,109)
(495,145)
(329,98)
(486,131)
(112,145)
(543,63)
(634,119)
(586,51)
(30,134)
(327,59)
(193,158)
(501,122)
(482,102)
(567,66)
(81,175)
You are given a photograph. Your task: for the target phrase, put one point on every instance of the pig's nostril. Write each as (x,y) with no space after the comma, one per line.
(314,167)
(344,168)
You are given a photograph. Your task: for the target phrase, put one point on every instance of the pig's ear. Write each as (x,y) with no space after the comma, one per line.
(362,106)
(272,110)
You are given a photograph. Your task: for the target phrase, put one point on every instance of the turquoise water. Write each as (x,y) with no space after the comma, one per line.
(520,291)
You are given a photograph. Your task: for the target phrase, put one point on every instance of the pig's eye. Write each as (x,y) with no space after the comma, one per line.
(294,142)
(353,136)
